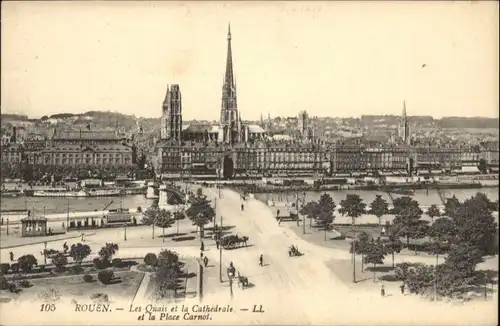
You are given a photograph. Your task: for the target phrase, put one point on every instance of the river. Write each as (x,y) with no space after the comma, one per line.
(425,199)
(60,205)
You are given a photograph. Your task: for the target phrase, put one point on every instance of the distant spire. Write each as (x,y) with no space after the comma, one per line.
(404,109)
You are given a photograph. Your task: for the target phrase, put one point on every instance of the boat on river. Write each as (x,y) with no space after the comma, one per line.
(11,193)
(59,193)
(103,192)
(402,191)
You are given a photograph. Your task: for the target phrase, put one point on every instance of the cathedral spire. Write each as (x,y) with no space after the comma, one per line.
(404,109)
(229,78)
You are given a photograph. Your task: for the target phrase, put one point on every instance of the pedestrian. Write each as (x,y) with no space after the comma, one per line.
(402,287)
(242,207)
(202,246)
(63,225)
(65,247)
(278,213)
(205,261)
(382,291)
(217,243)
(82,237)
(261,260)
(11,254)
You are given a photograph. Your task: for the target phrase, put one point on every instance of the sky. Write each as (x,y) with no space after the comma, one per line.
(337,59)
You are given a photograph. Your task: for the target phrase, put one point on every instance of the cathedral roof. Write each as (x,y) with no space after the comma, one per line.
(255,129)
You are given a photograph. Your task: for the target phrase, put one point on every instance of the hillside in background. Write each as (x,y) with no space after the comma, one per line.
(115,120)
(475,122)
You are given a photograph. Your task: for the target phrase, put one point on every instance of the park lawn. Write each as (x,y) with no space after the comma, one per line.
(74,287)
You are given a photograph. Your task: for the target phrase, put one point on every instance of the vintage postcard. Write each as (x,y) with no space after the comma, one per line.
(240,163)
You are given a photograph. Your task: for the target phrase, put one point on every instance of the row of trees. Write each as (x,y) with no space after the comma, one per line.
(465,234)
(78,252)
(469,220)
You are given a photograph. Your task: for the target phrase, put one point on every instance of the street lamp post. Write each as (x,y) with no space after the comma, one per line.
(220,250)
(45,252)
(125,232)
(231,288)
(67,217)
(7,226)
(353,251)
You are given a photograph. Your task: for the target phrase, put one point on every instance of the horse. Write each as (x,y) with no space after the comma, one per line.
(243,280)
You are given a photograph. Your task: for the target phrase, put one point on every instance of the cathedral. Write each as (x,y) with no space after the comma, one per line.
(230,129)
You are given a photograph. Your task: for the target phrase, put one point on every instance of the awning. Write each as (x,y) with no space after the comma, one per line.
(343,175)
(423,172)
(470,169)
(436,171)
(494,169)
(356,174)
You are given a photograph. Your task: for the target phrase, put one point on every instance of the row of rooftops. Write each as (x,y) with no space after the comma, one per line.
(207,128)
(74,148)
(310,145)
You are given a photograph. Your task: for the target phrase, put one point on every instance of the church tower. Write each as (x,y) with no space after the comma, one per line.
(404,127)
(171,121)
(229,117)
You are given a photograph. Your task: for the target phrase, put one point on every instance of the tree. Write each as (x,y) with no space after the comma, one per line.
(167,272)
(200,212)
(442,233)
(164,220)
(108,251)
(451,206)
(309,210)
(59,261)
(476,225)
(393,245)
(325,210)
(79,252)
(354,207)
(27,262)
(433,211)
(484,199)
(407,222)
(150,215)
(359,245)
(379,208)
(374,253)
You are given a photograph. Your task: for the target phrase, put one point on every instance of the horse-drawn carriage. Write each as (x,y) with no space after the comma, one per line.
(233,241)
(241,280)
(294,252)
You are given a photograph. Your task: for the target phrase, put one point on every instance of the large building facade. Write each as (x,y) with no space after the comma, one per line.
(68,152)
